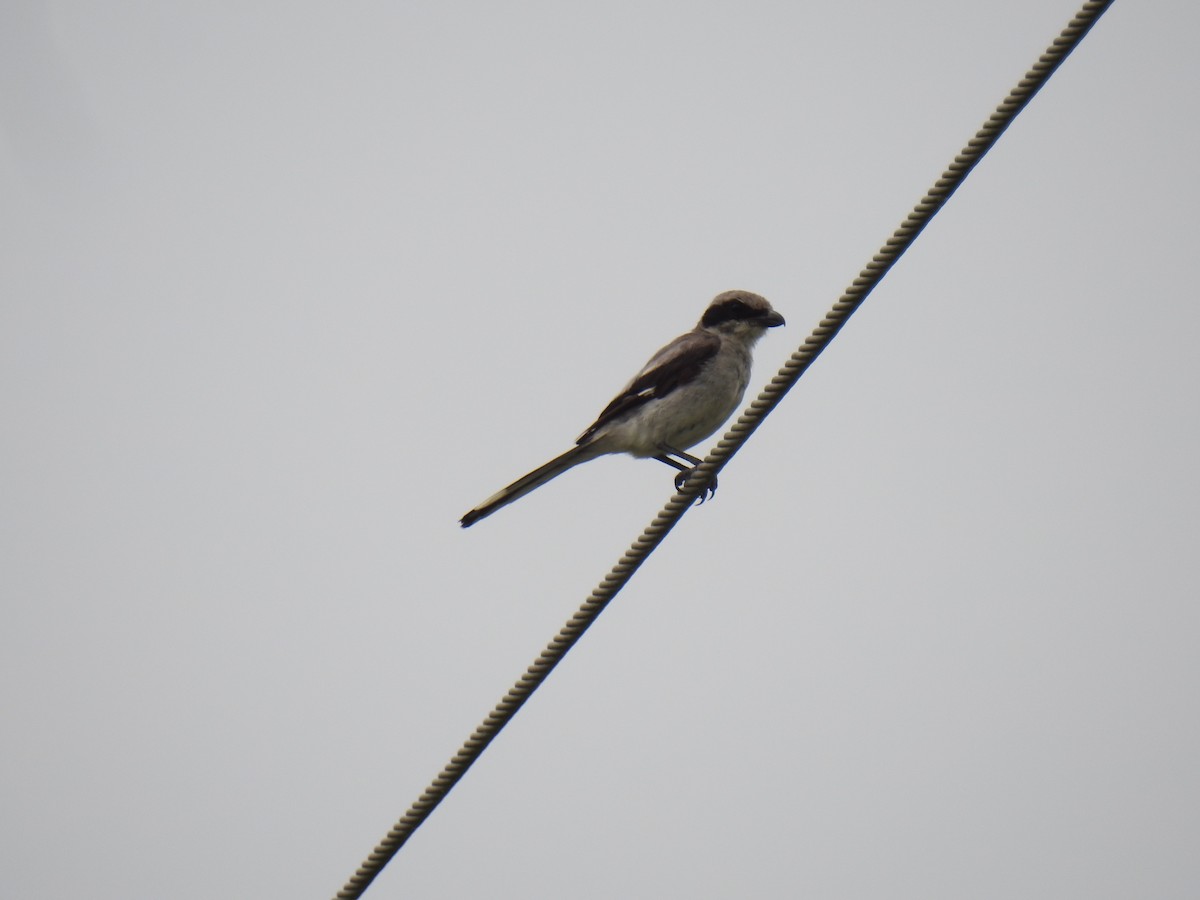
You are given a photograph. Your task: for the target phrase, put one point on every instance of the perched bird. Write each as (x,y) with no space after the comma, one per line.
(679,398)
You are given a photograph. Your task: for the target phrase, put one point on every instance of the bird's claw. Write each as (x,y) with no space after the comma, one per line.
(708,493)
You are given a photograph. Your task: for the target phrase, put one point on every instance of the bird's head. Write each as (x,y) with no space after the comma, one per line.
(740,313)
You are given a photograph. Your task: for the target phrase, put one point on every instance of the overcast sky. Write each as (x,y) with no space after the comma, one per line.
(286,288)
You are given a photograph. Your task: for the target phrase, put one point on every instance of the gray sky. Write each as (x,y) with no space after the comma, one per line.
(285,288)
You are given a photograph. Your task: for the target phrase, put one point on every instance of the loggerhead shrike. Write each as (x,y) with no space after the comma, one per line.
(681,396)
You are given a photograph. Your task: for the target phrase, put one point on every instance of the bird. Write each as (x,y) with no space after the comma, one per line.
(683,394)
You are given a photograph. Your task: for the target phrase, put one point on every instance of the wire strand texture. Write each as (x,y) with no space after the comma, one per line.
(747,423)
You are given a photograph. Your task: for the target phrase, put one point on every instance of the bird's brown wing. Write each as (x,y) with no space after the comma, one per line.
(674,365)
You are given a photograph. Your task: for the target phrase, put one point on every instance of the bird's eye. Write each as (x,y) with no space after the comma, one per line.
(728,311)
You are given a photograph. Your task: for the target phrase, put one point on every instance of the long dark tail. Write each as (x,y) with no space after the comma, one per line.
(532,481)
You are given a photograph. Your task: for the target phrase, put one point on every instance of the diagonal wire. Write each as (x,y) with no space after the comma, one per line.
(747,423)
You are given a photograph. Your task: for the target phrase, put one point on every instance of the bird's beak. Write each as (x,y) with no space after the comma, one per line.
(773,319)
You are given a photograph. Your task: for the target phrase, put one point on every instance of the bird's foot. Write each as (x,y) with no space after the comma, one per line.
(708,493)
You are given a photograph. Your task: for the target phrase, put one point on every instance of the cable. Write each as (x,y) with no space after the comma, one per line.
(747,423)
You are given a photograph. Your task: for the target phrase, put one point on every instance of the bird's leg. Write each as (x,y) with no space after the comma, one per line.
(662,457)
(685,471)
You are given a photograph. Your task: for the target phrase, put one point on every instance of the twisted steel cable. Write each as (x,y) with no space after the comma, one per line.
(747,423)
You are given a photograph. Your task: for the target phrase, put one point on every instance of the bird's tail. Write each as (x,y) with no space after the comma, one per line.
(532,481)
